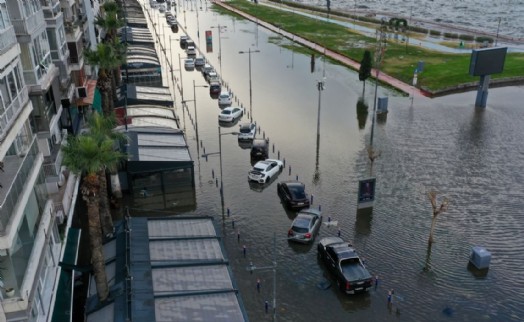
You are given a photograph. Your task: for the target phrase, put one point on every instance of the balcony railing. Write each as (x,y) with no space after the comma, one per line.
(12,111)
(30,25)
(7,39)
(53,163)
(14,180)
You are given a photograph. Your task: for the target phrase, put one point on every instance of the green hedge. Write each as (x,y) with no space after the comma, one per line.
(418,29)
(435,32)
(483,39)
(466,37)
(451,35)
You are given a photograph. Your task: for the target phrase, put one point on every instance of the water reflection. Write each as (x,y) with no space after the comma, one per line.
(363,222)
(362,113)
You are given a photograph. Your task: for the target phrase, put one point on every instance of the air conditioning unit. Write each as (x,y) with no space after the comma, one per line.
(60,216)
(81,92)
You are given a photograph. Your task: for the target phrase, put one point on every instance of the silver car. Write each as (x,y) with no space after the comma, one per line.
(305,226)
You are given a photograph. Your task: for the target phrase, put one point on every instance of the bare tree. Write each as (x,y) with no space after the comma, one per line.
(437,210)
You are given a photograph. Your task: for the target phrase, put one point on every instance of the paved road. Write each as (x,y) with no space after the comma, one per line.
(406,88)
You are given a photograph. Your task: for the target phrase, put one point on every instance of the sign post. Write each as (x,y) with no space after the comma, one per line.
(366,193)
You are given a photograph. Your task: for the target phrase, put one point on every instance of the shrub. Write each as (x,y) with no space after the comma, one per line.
(435,32)
(483,39)
(466,37)
(418,29)
(450,35)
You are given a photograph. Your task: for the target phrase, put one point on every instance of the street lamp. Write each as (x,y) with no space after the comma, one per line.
(273,267)
(196,117)
(220,28)
(250,88)
(379,56)
(220,155)
(181,82)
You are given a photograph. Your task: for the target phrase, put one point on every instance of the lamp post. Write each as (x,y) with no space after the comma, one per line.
(181,82)
(273,267)
(250,87)
(196,117)
(320,87)
(497,37)
(379,56)
(220,160)
(220,28)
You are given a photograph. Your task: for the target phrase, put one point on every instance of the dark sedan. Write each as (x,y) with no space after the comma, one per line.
(293,194)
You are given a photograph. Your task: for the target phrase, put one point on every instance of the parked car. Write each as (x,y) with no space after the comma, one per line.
(259,149)
(183,41)
(230,114)
(293,194)
(190,50)
(342,260)
(305,226)
(214,89)
(206,69)
(265,170)
(200,61)
(190,42)
(189,64)
(247,131)
(210,76)
(225,98)
(171,20)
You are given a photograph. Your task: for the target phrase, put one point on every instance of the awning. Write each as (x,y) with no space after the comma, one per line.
(90,87)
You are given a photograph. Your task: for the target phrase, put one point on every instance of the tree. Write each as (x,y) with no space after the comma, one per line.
(101,128)
(87,155)
(437,210)
(107,57)
(364,71)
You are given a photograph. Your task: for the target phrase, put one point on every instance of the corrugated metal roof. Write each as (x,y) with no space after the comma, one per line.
(189,279)
(150,139)
(206,307)
(187,228)
(163,154)
(186,250)
(150,110)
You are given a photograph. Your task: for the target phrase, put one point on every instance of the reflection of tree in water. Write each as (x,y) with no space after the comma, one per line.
(362,113)
(427,263)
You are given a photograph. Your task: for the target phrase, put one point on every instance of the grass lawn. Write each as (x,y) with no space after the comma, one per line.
(441,70)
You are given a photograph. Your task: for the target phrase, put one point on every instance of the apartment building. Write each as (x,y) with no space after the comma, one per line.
(43,91)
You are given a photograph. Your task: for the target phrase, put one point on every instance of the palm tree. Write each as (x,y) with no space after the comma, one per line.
(110,21)
(107,56)
(87,155)
(101,128)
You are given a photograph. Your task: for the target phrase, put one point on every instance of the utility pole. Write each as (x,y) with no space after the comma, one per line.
(379,56)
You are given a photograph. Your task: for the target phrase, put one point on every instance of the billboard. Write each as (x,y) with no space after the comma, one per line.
(366,190)
(209,41)
(487,61)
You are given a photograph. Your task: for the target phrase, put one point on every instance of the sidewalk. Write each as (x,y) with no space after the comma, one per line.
(393,82)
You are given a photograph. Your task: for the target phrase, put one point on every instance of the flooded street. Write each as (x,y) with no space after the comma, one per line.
(475,157)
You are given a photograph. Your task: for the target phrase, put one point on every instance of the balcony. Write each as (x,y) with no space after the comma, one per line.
(12,111)
(53,163)
(29,26)
(17,169)
(7,39)
(51,8)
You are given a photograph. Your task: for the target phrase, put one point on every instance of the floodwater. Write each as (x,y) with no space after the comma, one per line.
(472,156)
(471,14)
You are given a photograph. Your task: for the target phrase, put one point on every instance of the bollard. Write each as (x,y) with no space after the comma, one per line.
(273,147)
(338,233)
(204,150)
(296,177)
(311,198)
(264,134)
(289,170)
(376,282)
(278,155)
(213,173)
(258,285)
(319,208)
(233,224)
(266,306)
(228,212)
(238,236)
(206,157)
(216,182)
(244,250)
(284,160)
(259,130)
(329,218)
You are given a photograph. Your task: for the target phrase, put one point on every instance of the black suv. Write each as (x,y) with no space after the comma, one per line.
(260,149)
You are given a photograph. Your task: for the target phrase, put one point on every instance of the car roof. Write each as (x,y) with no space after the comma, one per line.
(245,125)
(230,108)
(312,211)
(225,93)
(290,183)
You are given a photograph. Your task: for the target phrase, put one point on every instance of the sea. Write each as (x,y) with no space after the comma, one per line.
(491,16)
